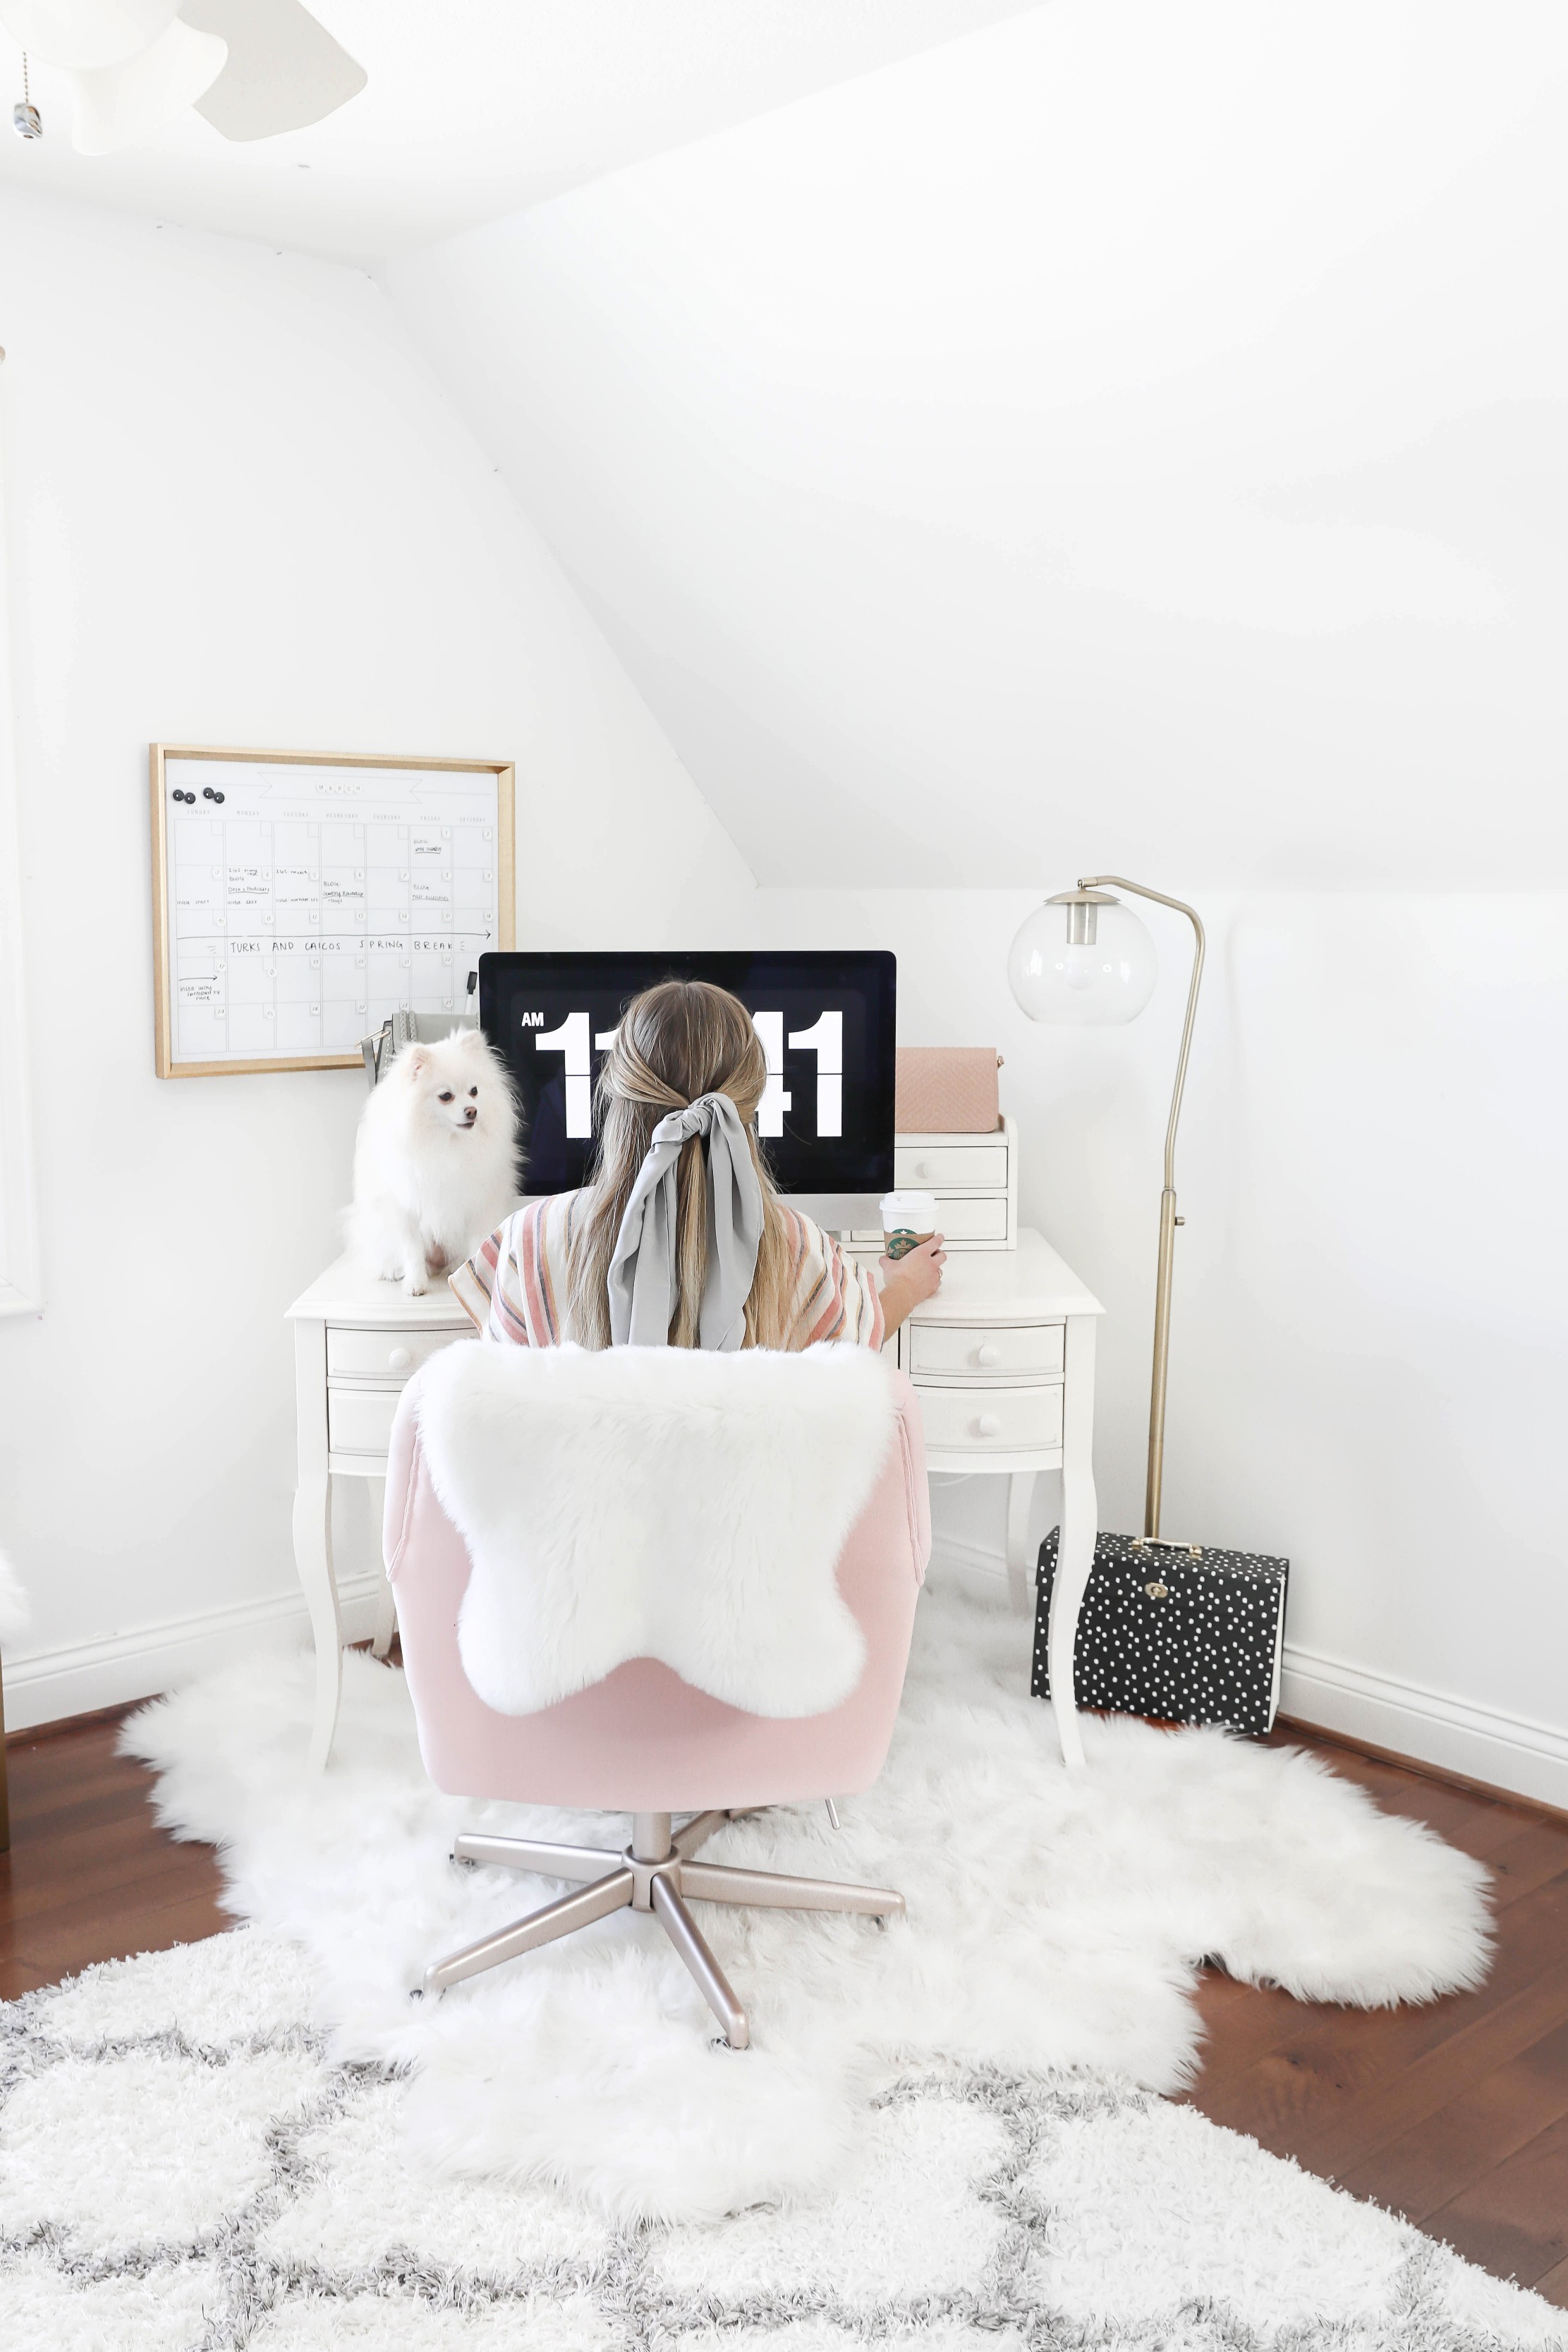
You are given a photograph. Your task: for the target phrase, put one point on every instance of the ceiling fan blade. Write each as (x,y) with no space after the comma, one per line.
(116,106)
(285,70)
(85,34)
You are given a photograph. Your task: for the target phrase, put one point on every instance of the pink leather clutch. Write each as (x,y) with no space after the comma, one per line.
(947,1090)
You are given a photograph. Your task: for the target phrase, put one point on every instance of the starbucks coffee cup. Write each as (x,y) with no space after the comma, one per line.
(907,1220)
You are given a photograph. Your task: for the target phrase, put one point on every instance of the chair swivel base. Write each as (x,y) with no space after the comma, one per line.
(655,1873)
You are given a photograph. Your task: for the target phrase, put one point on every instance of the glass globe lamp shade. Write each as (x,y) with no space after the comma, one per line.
(1083,959)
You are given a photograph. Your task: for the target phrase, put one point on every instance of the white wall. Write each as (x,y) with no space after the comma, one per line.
(240,512)
(1370,1350)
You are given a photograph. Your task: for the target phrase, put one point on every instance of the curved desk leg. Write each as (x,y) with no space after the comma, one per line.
(313,1533)
(313,1557)
(1020,1494)
(1079,1514)
(386,1599)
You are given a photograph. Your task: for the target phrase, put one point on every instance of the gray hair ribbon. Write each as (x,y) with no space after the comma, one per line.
(642,1281)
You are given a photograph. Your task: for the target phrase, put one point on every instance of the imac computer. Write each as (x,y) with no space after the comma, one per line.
(826,1022)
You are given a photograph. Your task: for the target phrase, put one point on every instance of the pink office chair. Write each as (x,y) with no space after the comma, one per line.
(644,1742)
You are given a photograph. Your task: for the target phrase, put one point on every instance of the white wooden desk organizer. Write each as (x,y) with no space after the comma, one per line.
(975,1179)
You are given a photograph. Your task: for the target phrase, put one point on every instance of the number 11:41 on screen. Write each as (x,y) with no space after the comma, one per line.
(825,1039)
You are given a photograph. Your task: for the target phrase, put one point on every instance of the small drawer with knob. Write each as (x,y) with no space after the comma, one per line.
(387,1357)
(964,1167)
(1017,1352)
(1003,1421)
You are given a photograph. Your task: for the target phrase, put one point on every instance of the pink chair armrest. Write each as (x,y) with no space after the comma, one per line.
(916,1487)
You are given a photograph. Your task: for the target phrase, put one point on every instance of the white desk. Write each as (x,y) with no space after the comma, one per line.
(356,1341)
(1002,1359)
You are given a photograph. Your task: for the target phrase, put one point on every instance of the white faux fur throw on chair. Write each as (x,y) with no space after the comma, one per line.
(656,1502)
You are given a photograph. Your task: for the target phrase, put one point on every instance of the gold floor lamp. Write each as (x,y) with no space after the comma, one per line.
(1085,961)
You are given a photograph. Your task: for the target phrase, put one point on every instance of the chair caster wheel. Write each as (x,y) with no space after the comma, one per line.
(462,1862)
(416,1992)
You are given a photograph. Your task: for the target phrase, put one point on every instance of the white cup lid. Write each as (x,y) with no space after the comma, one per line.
(913,1213)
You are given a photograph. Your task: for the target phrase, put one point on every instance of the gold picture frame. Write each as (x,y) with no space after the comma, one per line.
(163,756)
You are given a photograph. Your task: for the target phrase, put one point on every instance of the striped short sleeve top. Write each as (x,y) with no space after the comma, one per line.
(514,1288)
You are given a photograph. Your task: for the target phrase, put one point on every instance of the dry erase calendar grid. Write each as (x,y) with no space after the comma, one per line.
(305,903)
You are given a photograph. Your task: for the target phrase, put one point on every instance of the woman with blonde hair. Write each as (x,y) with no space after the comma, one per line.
(679,1237)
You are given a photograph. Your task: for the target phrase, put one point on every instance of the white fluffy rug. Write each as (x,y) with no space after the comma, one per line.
(1055,1923)
(181,2169)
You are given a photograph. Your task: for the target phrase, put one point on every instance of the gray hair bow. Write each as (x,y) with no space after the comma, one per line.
(642,1281)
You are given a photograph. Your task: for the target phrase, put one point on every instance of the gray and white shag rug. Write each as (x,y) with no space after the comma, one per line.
(948,2132)
(183,2169)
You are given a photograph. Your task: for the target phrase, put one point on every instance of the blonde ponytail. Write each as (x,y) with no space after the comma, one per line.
(676,1041)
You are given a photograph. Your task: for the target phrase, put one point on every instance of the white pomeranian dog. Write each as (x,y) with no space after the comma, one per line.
(435,1160)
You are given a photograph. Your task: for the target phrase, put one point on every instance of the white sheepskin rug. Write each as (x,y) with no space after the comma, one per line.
(1055,1924)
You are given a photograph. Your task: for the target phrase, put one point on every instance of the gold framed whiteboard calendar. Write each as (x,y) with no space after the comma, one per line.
(299,898)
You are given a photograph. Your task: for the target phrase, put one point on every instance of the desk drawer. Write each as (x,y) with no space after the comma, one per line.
(1030,1350)
(391,1356)
(983,1219)
(991,1421)
(359,1420)
(973,1166)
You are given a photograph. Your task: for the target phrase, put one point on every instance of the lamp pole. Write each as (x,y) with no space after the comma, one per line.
(1169,1219)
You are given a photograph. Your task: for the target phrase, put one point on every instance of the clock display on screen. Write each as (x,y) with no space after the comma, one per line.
(826,1020)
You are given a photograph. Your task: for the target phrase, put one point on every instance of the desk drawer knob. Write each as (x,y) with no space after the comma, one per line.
(986,1424)
(923,1168)
(401,1359)
(988,1355)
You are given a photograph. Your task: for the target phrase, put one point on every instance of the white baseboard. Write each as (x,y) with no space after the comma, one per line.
(52,1684)
(1506,1751)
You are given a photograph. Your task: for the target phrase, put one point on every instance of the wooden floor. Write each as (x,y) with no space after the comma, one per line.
(1455,2115)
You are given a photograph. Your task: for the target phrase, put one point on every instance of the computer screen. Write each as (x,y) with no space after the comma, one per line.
(826,1020)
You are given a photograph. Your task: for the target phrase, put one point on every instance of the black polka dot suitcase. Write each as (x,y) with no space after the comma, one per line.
(1176,1630)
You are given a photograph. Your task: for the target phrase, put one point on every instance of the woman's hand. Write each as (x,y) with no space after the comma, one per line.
(910,1280)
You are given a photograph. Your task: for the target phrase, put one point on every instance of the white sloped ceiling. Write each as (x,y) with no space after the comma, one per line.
(476,108)
(1126,424)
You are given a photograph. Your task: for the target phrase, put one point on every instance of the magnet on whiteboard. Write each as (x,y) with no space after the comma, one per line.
(266,1012)
(403,873)
(489,832)
(315,1008)
(445,831)
(487,873)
